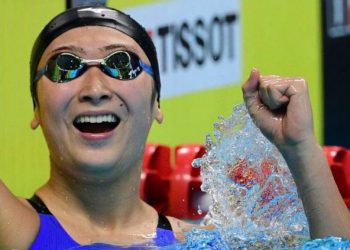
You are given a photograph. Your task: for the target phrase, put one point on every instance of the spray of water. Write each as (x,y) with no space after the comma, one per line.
(253,195)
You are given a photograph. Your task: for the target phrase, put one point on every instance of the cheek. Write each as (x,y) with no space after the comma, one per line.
(141,97)
(140,107)
(53,97)
(53,100)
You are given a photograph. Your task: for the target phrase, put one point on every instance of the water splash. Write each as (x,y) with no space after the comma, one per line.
(253,195)
(254,201)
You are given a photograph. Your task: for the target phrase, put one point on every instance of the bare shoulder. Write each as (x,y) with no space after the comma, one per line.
(181,227)
(17,221)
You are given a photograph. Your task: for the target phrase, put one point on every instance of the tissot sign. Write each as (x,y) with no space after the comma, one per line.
(198,42)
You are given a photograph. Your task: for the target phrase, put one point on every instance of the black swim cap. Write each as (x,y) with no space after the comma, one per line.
(92,16)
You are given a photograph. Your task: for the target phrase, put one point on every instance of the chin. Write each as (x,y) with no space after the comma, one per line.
(98,172)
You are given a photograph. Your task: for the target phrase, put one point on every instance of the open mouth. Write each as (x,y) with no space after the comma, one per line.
(96,123)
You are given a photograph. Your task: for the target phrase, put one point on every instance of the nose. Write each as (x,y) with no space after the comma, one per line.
(94,88)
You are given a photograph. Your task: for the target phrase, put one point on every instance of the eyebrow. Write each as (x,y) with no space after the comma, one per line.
(118,46)
(106,48)
(69,47)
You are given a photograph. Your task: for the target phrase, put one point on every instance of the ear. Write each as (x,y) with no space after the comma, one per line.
(36,120)
(158,114)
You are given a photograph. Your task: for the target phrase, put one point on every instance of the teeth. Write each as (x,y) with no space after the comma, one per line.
(96,118)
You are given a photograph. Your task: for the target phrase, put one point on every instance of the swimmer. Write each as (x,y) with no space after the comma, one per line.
(95,86)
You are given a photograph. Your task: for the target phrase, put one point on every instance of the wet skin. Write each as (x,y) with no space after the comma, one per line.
(81,154)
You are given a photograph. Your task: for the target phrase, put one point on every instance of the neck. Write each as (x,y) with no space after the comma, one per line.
(97,198)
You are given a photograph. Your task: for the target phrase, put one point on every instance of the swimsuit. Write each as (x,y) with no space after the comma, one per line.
(52,236)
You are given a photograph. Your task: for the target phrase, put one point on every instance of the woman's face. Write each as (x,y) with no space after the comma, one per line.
(70,113)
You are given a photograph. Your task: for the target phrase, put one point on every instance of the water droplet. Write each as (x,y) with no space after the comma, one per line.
(199,210)
(196,163)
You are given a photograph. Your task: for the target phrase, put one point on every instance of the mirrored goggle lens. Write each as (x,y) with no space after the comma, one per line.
(68,62)
(64,67)
(122,65)
(118,60)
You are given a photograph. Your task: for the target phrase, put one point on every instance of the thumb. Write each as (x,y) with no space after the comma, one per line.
(251,89)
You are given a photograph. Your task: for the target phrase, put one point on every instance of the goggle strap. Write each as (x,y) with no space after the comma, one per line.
(147,68)
(40,73)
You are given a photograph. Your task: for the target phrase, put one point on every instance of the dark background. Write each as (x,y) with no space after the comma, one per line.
(336,72)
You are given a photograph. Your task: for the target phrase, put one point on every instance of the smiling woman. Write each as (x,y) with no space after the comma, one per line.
(95,115)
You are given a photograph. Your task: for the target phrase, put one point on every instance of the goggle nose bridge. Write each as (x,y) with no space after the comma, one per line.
(92,62)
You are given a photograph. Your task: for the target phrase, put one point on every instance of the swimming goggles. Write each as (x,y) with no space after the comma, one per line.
(121,65)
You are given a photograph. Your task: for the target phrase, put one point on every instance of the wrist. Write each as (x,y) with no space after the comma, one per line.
(299,149)
(305,159)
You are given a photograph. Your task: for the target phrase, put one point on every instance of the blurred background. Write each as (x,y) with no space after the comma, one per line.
(206,52)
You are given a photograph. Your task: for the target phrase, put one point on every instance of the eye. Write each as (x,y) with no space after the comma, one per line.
(67,62)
